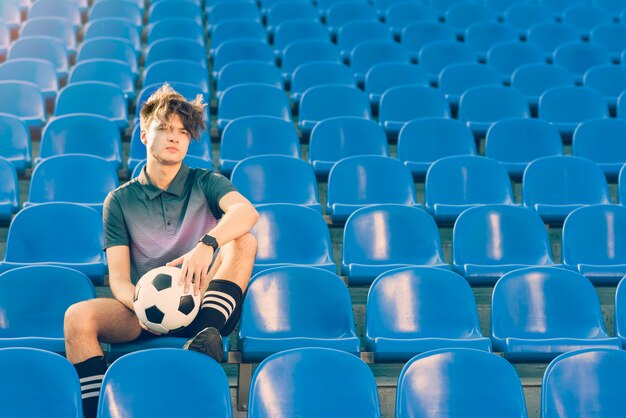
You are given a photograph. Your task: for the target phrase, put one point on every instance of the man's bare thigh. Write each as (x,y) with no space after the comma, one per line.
(115,323)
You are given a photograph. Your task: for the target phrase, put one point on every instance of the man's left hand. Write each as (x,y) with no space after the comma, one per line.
(195,267)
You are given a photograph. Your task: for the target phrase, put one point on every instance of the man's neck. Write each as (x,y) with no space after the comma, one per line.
(161,175)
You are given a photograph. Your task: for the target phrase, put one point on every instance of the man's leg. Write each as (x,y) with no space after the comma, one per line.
(87,323)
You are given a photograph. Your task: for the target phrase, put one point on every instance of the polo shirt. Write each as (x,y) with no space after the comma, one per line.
(159,225)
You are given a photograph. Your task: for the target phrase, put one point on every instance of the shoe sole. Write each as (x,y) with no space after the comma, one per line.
(209,342)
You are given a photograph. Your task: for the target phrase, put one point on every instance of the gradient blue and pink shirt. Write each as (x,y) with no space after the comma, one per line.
(159,225)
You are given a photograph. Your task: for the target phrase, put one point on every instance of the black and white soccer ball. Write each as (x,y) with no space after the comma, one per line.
(161,304)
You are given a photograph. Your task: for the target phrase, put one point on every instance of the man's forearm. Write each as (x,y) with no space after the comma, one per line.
(238,221)
(123,290)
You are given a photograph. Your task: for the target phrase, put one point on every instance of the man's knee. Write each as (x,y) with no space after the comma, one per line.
(244,246)
(79,318)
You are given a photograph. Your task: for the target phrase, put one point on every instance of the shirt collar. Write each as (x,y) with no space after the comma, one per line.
(176,187)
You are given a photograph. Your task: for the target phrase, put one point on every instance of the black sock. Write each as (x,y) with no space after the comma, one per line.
(91,372)
(220,302)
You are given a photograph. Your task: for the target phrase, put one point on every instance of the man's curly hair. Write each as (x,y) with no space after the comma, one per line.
(166,101)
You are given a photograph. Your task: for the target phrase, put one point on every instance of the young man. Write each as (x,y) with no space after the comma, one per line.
(168,215)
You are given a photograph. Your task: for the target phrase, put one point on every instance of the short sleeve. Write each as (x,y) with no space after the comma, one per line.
(215,186)
(115,230)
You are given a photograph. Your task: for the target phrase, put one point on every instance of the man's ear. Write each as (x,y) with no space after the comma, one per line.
(142,135)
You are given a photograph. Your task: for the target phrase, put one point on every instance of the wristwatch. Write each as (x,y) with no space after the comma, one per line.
(210,241)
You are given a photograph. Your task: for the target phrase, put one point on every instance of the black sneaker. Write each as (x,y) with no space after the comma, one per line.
(209,342)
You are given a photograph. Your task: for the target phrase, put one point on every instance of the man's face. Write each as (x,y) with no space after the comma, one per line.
(166,142)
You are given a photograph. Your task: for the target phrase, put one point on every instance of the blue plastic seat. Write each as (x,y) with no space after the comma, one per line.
(316,73)
(223,11)
(516,142)
(296,30)
(353,33)
(601,141)
(583,384)
(355,182)
(609,80)
(464,14)
(33,70)
(612,36)
(531,320)
(171,9)
(305,51)
(288,11)
(73,178)
(30,107)
(615,7)
(37,321)
(412,310)
(236,29)
(97,98)
(402,104)
(294,382)
(53,390)
(119,9)
(344,12)
(242,50)
(128,386)
(480,107)
(176,48)
(266,4)
(417,35)
(461,382)
(15,143)
(9,190)
(115,28)
(585,17)
(454,184)
(49,8)
(425,140)
(73,240)
(533,79)
(506,57)
(524,15)
(291,235)
(108,71)
(176,27)
(331,100)
(567,106)
(436,55)
(277,179)
(11,15)
(242,72)
(55,27)
(42,47)
(482,36)
(336,138)
(491,240)
(455,79)
(313,309)
(381,77)
(367,54)
(620,312)
(110,48)
(555,186)
(593,243)
(178,71)
(403,13)
(577,57)
(383,237)
(257,135)
(235,103)
(547,36)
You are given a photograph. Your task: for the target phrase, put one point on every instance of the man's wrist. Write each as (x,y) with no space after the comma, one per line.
(210,241)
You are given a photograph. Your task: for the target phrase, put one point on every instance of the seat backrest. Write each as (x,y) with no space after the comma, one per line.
(313,382)
(400,14)
(236,29)
(15,141)
(481,36)
(571,104)
(369,53)
(608,79)
(408,102)
(585,17)
(105,70)
(242,72)
(352,33)
(534,79)
(290,10)
(577,57)
(492,103)
(461,15)
(176,27)
(506,57)
(295,30)
(109,48)
(9,187)
(316,73)
(176,48)
(611,36)
(37,71)
(50,8)
(242,50)
(461,382)
(112,27)
(56,27)
(343,12)
(436,55)
(299,52)
(596,388)
(381,77)
(130,386)
(30,103)
(175,71)
(117,9)
(269,101)
(330,100)
(105,100)
(415,35)
(226,10)
(549,35)
(455,79)
(163,10)
(524,15)
(42,47)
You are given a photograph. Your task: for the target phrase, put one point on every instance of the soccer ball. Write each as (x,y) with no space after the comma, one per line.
(161,304)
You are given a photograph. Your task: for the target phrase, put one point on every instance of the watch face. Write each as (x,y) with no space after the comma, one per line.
(209,240)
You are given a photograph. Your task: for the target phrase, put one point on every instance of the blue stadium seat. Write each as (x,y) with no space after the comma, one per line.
(33,70)
(615,7)
(115,28)
(37,320)
(312,309)
(491,240)
(367,54)
(291,235)
(129,386)
(276,179)
(176,48)
(9,190)
(266,4)
(110,48)
(559,6)
(533,79)
(480,107)
(585,17)
(81,133)
(567,106)
(336,138)
(344,12)
(30,107)
(242,50)
(176,27)
(316,73)
(577,57)
(417,35)
(235,103)
(178,71)
(301,52)
(461,15)
(55,27)
(190,160)
(355,182)
(482,36)
(313,382)
(403,13)
(436,55)
(454,184)
(516,142)
(324,5)
(399,105)
(593,243)
(73,240)
(331,100)
(212,3)
(425,140)
(506,57)
(548,36)
(236,29)
(109,71)
(609,80)
(601,141)
(612,36)
(383,237)
(288,11)
(50,8)
(42,47)
(297,30)
(73,178)
(524,15)
(224,11)
(532,321)
(119,9)
(461,382)
(171,9)
(11,16)
(38,383)
(455,79)
(257,135)
(443,5)
(412,310)
(383,76)
(15,143)
(583,384)
(353,33)
(242,72)
(555,186)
